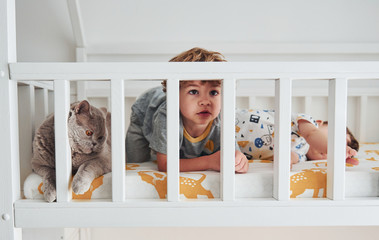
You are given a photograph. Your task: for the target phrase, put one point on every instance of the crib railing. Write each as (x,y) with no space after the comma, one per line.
(119,74)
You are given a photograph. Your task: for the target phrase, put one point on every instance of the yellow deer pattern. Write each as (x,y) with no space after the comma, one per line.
(97,182)
(314,178)
(372,151)
(131,166)
(189,187)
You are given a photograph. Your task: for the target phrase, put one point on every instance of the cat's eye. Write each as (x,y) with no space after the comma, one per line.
(100,138)
(89,133)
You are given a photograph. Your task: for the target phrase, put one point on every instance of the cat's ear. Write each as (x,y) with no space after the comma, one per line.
(104,111)
(82,107)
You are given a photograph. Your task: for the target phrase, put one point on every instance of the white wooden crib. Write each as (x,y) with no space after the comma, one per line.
(42,79)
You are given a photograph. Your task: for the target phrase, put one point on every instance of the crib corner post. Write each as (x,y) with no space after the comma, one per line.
(9,145)
(10,162)
(10,159)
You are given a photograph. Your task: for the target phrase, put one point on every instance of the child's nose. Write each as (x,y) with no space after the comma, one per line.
(204,101)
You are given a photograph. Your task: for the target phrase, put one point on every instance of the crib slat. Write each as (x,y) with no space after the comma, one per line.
(62,148)
(26,114)
(337,138)
(50,97)
(362,116)
(173,140)
(118,140)
(81,90)
(252,102)
(308,105)
(228,140)
(282,139)
(41,106)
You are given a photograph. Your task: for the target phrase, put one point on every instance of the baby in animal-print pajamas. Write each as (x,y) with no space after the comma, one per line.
(255,134)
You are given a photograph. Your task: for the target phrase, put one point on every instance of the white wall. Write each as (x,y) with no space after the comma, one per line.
(241,29)
(244,30)
(44,31)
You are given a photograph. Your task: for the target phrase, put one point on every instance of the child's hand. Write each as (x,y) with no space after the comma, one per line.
(294,158)
(350,153)
(241,162)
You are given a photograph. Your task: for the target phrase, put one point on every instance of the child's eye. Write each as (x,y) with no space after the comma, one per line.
(214,93)
(89,133)
(193,92)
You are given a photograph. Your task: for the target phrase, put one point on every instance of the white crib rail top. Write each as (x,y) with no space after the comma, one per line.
(203,70)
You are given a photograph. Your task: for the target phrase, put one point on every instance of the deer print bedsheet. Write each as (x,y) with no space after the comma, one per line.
(308,180)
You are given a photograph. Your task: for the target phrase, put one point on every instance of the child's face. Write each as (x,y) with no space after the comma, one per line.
(313,154)
(200,103)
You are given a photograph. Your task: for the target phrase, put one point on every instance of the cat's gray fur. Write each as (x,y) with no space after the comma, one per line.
(91,155)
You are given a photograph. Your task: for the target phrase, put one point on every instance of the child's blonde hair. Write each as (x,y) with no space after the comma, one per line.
(197,55)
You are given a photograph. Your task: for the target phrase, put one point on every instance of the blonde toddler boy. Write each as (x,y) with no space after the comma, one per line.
(200,105)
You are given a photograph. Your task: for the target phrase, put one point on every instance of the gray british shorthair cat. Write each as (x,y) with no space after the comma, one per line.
(89,134)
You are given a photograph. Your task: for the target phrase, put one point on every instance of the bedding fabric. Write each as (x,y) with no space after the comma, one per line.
(308,179)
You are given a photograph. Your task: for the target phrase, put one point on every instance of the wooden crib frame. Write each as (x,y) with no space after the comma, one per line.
(280,210)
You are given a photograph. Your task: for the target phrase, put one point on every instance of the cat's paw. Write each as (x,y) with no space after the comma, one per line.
(81,184)
(49,191)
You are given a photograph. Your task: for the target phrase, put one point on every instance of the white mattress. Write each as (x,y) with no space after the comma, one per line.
(308,179)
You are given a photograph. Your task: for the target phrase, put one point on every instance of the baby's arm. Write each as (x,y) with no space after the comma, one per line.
(208,162)
(319,141)
(313,136)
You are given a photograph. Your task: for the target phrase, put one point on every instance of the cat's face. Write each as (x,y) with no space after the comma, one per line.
(86,128)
